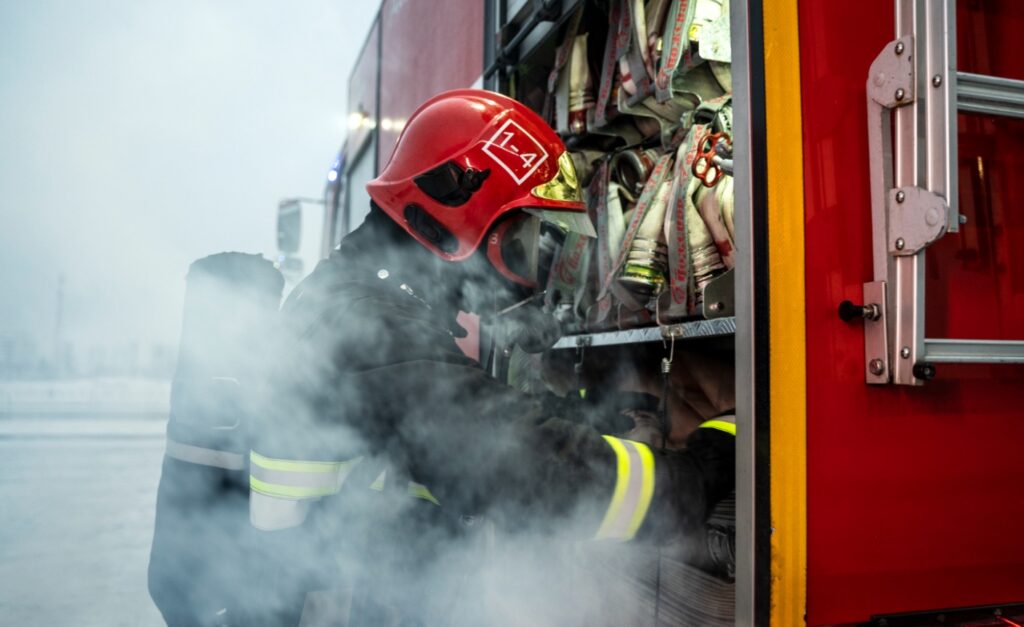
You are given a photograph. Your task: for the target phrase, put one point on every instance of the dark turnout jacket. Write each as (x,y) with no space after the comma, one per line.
(381,442)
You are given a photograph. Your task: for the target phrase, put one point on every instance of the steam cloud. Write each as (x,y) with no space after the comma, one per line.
(381,557)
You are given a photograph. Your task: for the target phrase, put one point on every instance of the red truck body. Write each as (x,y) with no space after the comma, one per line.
(911,495)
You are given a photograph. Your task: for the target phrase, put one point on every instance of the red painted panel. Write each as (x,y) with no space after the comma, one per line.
(914,494)
(429,47)
(975,278)
(362,93)
(989,37)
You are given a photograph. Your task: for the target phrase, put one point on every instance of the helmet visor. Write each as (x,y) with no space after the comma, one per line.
(564,185)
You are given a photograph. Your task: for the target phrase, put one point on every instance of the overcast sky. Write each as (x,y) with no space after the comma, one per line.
(139,135)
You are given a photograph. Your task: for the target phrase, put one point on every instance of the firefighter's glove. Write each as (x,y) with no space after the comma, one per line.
(690,482)
(613,413)
(646,428)
(619,412)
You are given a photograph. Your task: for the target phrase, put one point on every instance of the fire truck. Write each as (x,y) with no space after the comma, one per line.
(866,271)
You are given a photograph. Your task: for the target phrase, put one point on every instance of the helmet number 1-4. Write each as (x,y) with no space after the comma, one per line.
(516,151)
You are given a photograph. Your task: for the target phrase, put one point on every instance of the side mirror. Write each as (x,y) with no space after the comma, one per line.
(289,226)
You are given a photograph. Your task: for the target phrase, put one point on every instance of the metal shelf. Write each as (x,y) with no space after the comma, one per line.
(718,327)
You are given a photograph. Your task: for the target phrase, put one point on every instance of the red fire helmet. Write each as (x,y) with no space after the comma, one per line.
(465,159)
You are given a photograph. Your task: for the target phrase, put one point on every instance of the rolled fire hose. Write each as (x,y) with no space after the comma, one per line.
(630,169)
(635,63)
(707,262)
(616,220)
(581,89)
(725,188)
(647,260)
(709,203)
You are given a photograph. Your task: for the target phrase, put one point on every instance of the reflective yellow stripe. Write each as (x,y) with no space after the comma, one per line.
(721,425)
(297,479)
(378,483)
(634,488)
(293,465)
(288,491)
(420,491)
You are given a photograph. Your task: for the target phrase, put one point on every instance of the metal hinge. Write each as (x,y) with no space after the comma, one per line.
(916,218)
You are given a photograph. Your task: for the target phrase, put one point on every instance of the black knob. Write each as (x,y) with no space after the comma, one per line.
(924,371)
(848,311)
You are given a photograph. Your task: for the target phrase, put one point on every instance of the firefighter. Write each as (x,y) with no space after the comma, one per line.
(381,435)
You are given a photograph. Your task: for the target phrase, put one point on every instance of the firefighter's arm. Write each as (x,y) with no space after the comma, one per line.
(481,446)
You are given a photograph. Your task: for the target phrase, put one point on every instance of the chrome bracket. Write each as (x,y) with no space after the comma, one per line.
(719,296)
(916,218)
(891,78)
(890,85)
(876,337)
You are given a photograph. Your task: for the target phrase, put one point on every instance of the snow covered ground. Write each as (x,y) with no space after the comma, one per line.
(105,396)
(77,497)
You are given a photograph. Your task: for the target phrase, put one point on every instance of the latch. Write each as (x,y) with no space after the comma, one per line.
(876,345)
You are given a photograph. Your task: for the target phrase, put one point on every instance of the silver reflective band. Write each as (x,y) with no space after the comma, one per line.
(271,513)
(204,456)
(634,488)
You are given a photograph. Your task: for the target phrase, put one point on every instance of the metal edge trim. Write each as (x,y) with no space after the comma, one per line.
(745,26)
